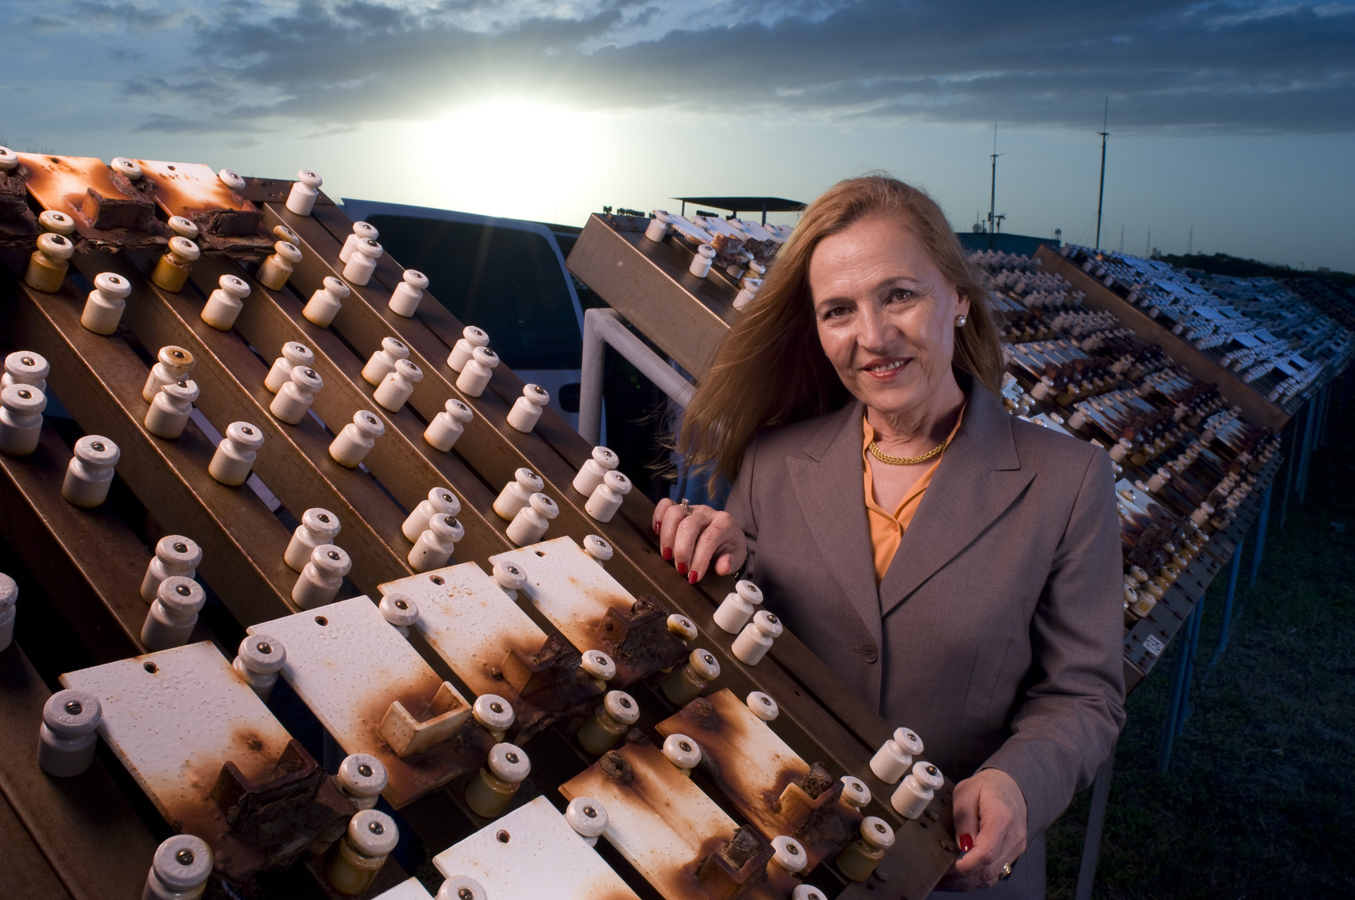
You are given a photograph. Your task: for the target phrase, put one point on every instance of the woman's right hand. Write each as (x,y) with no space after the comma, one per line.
(699,538)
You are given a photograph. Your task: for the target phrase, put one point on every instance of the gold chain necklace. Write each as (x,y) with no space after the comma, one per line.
(906,460)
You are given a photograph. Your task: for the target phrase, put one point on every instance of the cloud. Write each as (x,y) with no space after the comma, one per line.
(1166,66)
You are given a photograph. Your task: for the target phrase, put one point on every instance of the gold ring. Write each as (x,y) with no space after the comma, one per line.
(1006,872)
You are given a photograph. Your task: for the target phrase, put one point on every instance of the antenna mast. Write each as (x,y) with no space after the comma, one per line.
(1100,196)
(992,194)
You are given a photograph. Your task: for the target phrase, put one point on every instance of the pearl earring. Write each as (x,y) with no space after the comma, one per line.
(960,321)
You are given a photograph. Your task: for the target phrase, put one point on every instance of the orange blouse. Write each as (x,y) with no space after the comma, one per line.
(886,530)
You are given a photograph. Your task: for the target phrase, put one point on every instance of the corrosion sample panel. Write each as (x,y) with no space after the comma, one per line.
(533,852)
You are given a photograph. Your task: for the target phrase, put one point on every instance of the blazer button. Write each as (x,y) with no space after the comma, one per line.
(869,653)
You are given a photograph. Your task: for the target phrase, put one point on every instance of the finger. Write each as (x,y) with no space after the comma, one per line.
(659,510)
(673,516)
(715,538)
(689,530)
(966,814)
(724,563)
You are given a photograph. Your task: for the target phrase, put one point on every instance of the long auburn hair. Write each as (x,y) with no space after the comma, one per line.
(771,370)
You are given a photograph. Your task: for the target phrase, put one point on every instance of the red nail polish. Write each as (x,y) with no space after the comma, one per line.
(694,577)
(657,527)
(966,843)
(667,552)
(682,568)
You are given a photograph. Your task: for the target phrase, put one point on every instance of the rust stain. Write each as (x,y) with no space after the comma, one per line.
(63,183)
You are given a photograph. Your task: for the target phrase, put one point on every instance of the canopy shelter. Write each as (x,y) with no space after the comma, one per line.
(745,204)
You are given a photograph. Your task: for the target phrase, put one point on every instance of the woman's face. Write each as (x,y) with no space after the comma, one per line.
(885,315)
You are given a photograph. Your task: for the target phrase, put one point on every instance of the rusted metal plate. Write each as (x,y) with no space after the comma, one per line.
(228,223)
(74,185)
(348,665)
(533,852)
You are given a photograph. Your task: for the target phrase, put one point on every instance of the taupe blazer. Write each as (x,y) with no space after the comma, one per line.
(997,632)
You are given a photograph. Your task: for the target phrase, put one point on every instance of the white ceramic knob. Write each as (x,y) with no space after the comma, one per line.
(398,385)
(531,522)
(68,733)
(382,362)
(597,548)
(908,741)
(405,298)
(471,337)
(440,501)
(172,364)
(509,763)
(174,555)
(606,499)
(756,638)
(526,411)
(126,167)
(747,291)
(318,526)
(301,198)
(283,233)
(475,375)
(326,302)
(789,854)
(180,869)
(225,303)
(621,708)
(591,473)
(231,180)
(462,887)
(372,833)
(587,817)
(362,231)
(435,546)
(876,832)
(807,892)
(515,493)
(171,409)
(510,577)
(362,262)
(683,627)
(21,407)
(350,447)
(682,752)
(183,227)
(26,367)
(854,792)
(400,611)
(916,790)
(494,713)
(448,425)
(598,665)
(90,471)
(104,305)
(294,354)
(235,455)
(763,706)
(738,607)
(55,222)
(295,397)
(9,160)
(171,618)
(9,596)
(277,268)
(658,226)
(258,661)
(701,261)
(320,580)
(362,777)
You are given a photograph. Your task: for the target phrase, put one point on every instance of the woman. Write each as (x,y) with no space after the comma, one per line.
(958,567)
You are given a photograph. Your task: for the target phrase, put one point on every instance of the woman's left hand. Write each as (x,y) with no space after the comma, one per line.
(990,810)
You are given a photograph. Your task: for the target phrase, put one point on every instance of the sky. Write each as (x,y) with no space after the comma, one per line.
(1232,124)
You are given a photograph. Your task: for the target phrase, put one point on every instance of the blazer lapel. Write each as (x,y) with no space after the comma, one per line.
(828,483)
(980,476)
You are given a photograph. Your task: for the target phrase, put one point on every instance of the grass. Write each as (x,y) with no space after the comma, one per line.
(1260,795)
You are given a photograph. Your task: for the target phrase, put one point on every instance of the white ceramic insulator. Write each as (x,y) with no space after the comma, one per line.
(807,892)
(682,751)
(592,471)
(526,411)
(598,548)
(372,834)
(9,596)
(908,741)
(701,262)
(440,501)
(890,762)
(462,887)
(54,222)
(172,364)
(1041,388)
(606,499)
(104,305)
(326,302)
(531,522)
(1120,450)
(294,399)
(738,607)
(588,818)
(382,362)
(183,227)
(448,426)
(1077,420)
(494,713)
(69,733)
(763,706)
(225,303)
(511,578)
(854,792)
(435,546)
(516,493)
(471,337)
(174,555)
(318,526)
(21,407)
(351,445)
(258,661)
(9,160)
(294,354)
(362,262)
(398,385)
(171,618)
(362,777)
(703,665)
(235,455)
(405,298)
(231,180)
(26,367)
(180,869)
(400,611)
(278,267)
(747,291)
(916,790)
(658,226)
(362,231)
(475,375)
(126,166)
(789,854)
(320,580)
(756,638)
(171,408)
(876,832)
(598,664)
(509,763)
(301,198)
(90,471)
(683,627)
